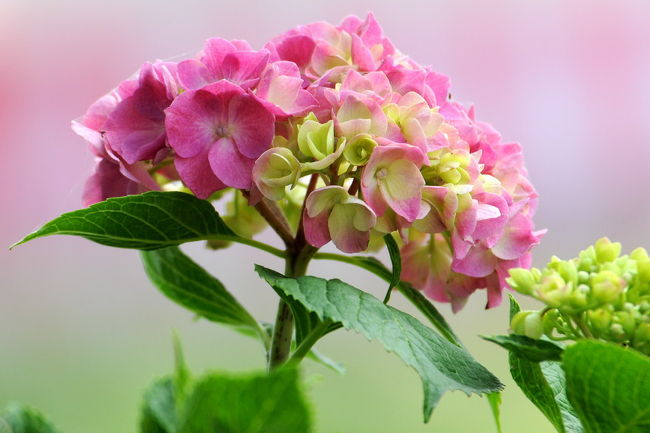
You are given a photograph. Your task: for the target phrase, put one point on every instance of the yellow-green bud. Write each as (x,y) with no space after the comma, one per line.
(528,323)
(607,251)
(316,139)
(359,149)
(600,321)
(566,269)
(553,290)
(522,280)
(606,287)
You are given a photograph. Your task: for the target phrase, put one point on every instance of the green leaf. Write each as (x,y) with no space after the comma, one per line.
(159,408)
(263,403)
(425,306)
(144,221)
(441,365)
(543,384)
(185,282)
(396,263)
(326,361)
(528,348)
(609,387)
(17,418)
(494,399)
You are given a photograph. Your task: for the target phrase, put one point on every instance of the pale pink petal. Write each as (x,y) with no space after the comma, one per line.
(479,262)
(230,166)
(193,74)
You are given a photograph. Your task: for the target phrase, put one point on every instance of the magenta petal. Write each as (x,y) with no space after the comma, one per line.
(193,74)
(107,181)
(252,124)
(214,51)
(316,231)
(197,175)
(244,67)
(230,166)
(297,49)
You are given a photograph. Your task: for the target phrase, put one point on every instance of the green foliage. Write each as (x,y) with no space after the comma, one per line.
(609,387)
(528,348)
(183,281)
(441,365)
(159,413)
(145,221)
(544,385)
(261,403)
(396,263)
(494,398)
(17,418)
(416,297)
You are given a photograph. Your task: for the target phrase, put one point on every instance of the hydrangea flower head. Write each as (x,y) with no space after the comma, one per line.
(345,134)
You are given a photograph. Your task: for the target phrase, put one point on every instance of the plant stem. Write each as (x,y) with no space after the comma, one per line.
(305,346)
(295,266)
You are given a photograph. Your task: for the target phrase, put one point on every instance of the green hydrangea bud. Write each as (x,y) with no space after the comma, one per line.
(606,287)
(522,280)
(528,323)
(566,269)
(315,139)
(641,339)
(553,290)
(550,321)
(599,321)
(607,251)
(358,150)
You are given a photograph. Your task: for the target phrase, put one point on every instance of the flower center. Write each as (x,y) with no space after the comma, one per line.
(381,173)
(221,131)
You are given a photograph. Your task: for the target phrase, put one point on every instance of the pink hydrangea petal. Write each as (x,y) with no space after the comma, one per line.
(214,51)
(107,181)
(197,175)
(361,55)
(402,189)
(229,165)
(491,218)
(252,125)
(316,231)
(517,239)
(478,262)
(244,67)
(344,235)
(193,74)
(297,49)
(191,122)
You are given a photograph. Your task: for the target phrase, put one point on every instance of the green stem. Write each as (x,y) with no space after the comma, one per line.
(305,346)
(250,242)
(295,266)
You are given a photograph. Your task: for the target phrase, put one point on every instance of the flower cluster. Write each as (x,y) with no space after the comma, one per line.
(337,119)
(600,294)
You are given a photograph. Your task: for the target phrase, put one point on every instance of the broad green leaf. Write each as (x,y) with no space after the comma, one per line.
(18,418)
(185,282)
(494,399)
(159,410)
(425,306)
(144,221)
(441,365)
(609,387)
(543,384)
(263,403)
(396,263)
(528,348)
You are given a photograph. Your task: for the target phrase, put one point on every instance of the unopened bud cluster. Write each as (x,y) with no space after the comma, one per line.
(600,294)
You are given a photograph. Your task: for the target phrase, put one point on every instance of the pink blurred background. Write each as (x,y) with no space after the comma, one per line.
(82,332)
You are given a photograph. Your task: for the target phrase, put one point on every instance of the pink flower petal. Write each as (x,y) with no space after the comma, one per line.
(229,165)
(197,175)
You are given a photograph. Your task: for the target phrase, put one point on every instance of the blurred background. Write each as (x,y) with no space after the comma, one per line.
(82,331)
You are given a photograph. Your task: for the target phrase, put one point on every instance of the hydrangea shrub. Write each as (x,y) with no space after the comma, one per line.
(330,134)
